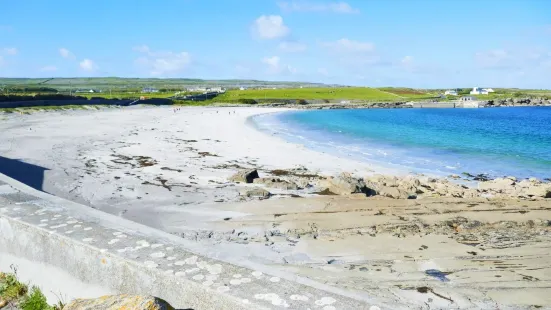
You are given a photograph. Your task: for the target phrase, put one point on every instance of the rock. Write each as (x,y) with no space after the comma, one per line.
(470,193)
(394,192)
(345,184)
(336,262)
(499,185)
(524,184)
(302,182)
(276,183)
(245,176)
(259,193)
(117,302)
(540,191)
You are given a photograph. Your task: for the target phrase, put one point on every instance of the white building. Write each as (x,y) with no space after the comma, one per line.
(490,90)
(242,88)
(216,89)
(479,91)
(149,90)
(450,93)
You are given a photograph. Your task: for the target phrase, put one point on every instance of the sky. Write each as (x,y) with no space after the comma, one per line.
(409,43)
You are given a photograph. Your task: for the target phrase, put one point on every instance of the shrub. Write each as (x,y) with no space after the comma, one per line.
(302,101)
(35,301)
(247,101)
(10,287)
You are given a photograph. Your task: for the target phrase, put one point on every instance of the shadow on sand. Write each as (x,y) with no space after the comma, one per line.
(23,172)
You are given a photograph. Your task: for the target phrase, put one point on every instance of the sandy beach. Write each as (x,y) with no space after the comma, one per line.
(171,169)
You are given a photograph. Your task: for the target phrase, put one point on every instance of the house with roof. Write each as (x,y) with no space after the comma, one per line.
(478,91)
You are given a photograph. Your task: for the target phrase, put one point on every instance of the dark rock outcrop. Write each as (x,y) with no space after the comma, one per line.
(245,176)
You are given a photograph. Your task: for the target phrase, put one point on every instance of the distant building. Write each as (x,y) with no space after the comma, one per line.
(197,89)
(87,91)
(479,91)
(242,88)
(468,98)
(450,93)
(215,89)
(150,90)
(490,90)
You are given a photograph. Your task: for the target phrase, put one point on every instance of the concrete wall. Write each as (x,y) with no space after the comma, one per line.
(118,255)
(434,104)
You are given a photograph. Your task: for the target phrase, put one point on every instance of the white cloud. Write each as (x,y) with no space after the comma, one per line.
(161,63)
(292,47)
(142,48)
(308,6)
(271,61)
(87,65)
(65,53)
(494,59)
(48,69)
(276,67)
(350,46)
(10,51)
(269,27)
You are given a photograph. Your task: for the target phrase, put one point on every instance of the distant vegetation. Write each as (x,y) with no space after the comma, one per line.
(319,93)
(13,98)
(173,91)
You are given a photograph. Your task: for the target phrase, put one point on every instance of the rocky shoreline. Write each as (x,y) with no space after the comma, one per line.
(506,102)
(408,187)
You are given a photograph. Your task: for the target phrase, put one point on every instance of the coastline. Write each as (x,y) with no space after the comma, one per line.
(171,170)
(418,151)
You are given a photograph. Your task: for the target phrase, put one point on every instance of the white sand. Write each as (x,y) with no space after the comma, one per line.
(78,147)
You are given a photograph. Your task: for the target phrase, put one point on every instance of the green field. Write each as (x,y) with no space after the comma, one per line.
(257,92)
(318,93)
(136,84)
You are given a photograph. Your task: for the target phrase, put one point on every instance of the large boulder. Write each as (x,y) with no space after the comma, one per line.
(499,185)
(538,191)
(345,184)
(258,193)
(117,302)
(276,183)
(394,192)
(245,176)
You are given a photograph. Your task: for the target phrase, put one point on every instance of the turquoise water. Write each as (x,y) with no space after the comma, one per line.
(494,141)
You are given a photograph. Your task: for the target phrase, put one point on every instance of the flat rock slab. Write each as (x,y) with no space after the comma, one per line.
(118,302)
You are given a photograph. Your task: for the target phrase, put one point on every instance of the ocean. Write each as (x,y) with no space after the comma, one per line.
(498,142)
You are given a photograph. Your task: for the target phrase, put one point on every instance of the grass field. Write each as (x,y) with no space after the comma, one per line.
(343,93)
(126,95)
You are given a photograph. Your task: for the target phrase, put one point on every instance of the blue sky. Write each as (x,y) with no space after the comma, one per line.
(415,43)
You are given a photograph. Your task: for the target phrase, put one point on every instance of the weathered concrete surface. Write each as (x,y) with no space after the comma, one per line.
(114,253)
